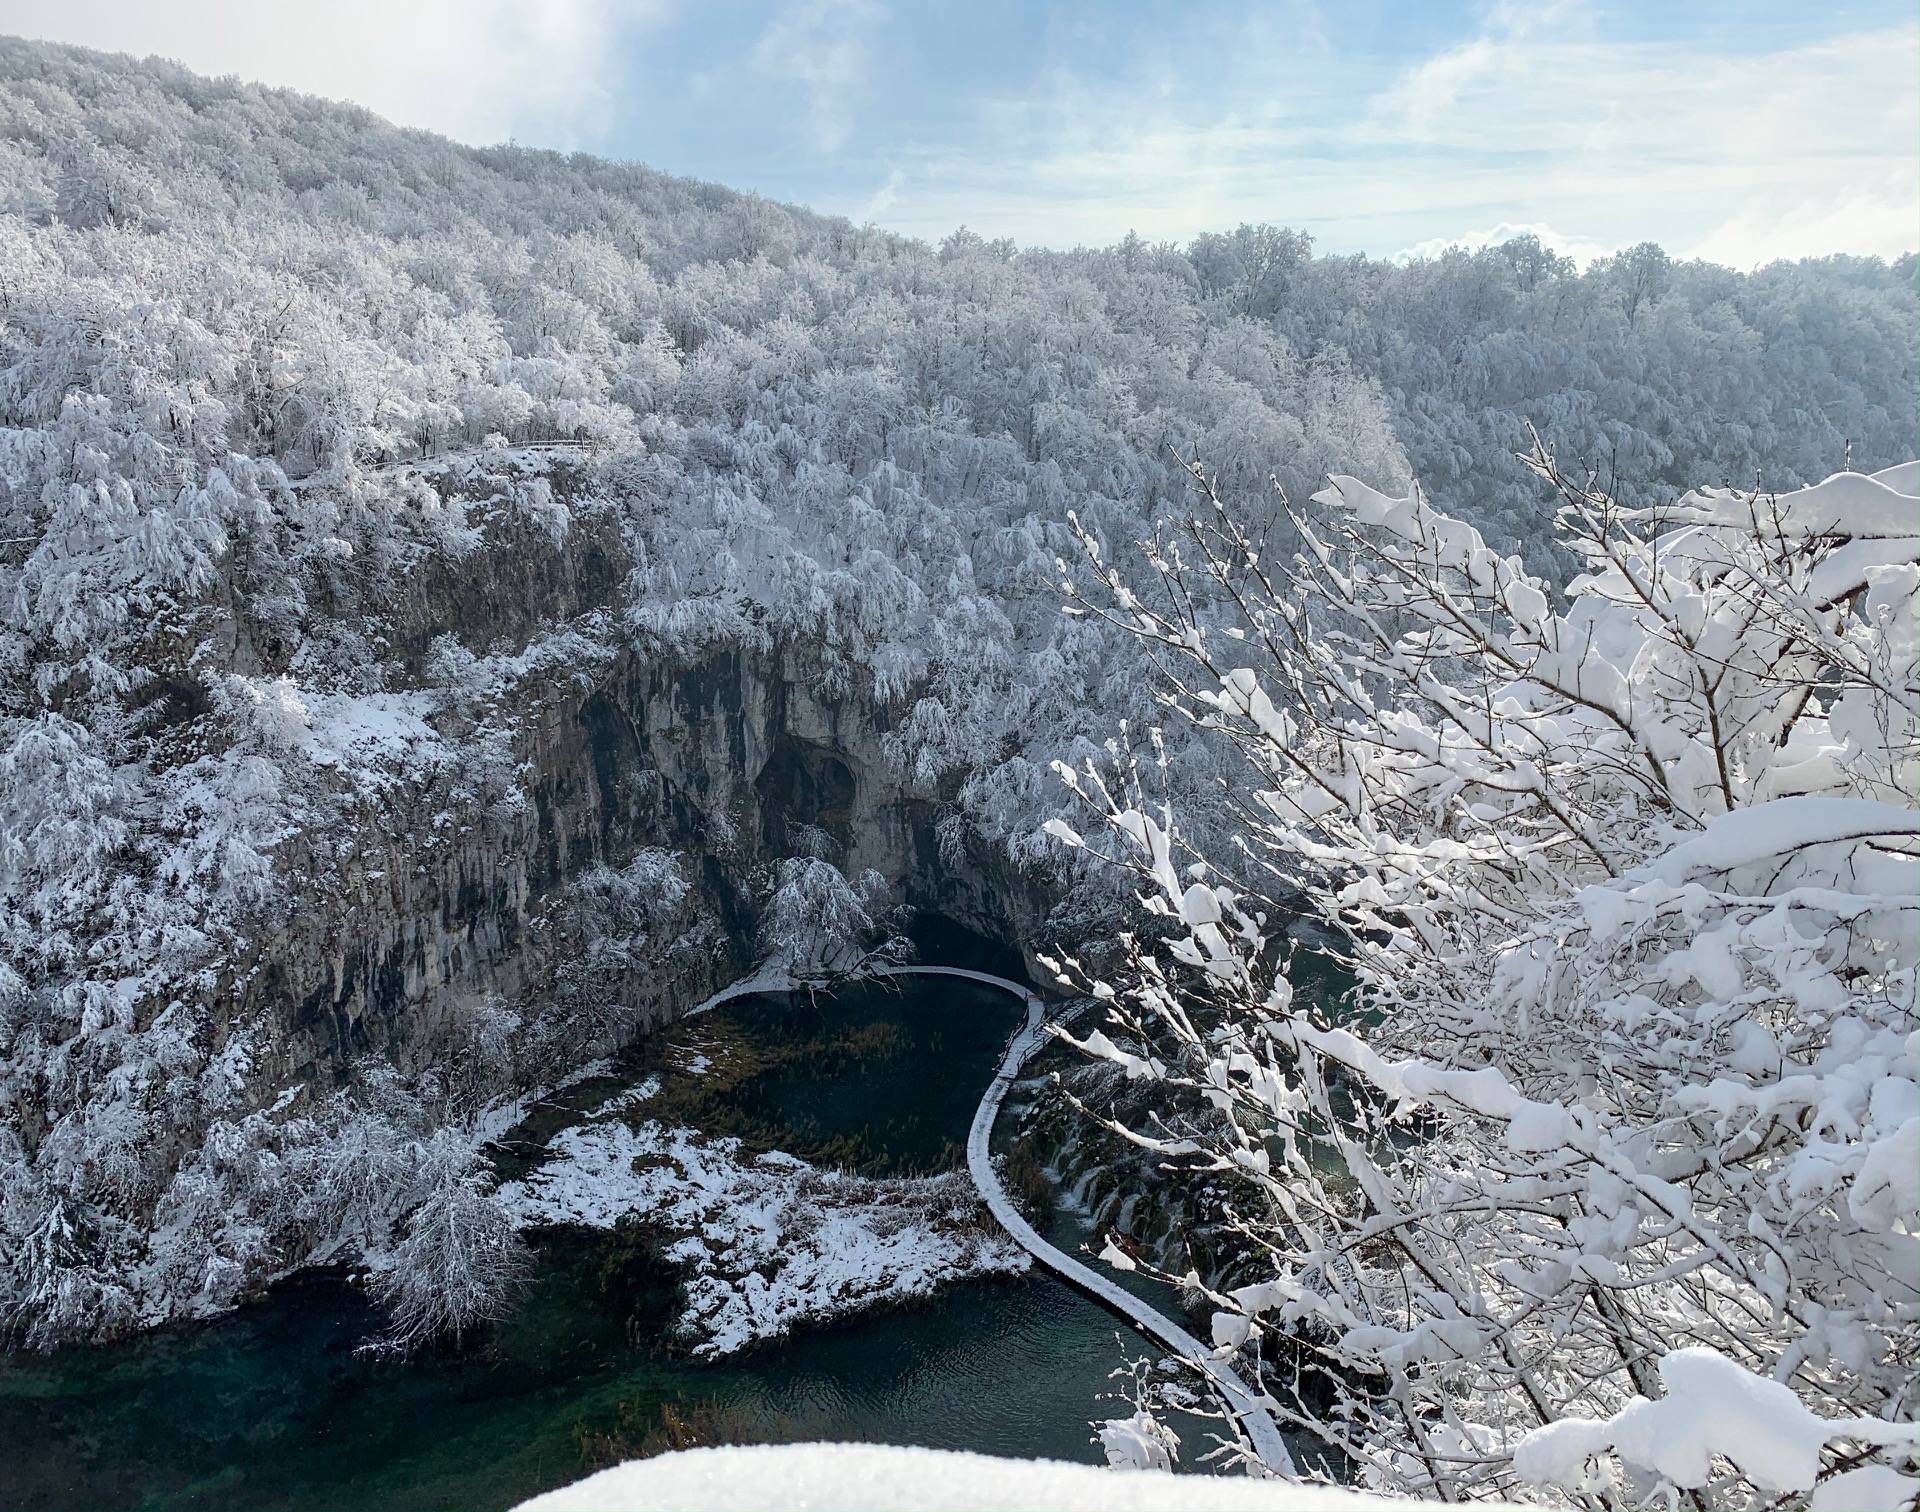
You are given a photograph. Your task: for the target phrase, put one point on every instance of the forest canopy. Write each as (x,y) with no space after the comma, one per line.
(268,365)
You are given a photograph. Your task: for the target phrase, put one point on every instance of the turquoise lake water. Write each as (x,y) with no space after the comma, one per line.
(274,1407)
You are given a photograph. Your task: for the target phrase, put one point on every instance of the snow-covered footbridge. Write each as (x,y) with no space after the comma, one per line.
(1245,1405)
(1262,1433)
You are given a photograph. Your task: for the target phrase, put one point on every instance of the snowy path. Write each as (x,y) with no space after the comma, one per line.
(775,981)
(1258,1423)
(961,971)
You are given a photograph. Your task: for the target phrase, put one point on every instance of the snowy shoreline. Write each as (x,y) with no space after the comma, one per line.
(765,1244)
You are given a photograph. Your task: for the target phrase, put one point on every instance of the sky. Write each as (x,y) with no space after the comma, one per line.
(1735,132)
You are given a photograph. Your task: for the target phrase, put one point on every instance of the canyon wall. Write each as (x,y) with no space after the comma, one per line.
(429,900)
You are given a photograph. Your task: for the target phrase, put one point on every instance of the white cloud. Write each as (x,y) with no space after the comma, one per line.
(1542,119)
(1864,216)
(1433,89)
(882,198)
(825,47)
(1579,249)
(476,70)
(1797,152)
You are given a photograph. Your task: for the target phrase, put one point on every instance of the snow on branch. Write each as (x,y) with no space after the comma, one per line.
(1604,1181)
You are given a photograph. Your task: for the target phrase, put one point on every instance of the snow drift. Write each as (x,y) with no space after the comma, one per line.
(892,1478)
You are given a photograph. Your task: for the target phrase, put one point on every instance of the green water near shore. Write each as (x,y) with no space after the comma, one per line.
(275,1407)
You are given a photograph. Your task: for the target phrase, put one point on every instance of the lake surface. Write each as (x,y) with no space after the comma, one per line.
(273,1407)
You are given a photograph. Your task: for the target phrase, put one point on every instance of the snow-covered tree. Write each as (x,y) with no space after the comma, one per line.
(818,923)
(328,450)
(462,1259)
(58,1287)
(1605,1184)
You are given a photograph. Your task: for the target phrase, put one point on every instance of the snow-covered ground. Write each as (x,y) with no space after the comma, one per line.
(766,1243)
(631,1098)
(893,1478)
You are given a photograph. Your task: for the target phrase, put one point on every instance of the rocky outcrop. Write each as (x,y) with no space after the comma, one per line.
(432,897)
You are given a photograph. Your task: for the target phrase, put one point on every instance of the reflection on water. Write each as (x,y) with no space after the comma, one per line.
(273,1407)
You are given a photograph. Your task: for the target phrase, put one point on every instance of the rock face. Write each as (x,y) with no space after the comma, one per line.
(402,839)
(424,905)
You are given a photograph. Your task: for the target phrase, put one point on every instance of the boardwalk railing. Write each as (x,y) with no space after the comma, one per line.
(1242,1402)
(1245,1405)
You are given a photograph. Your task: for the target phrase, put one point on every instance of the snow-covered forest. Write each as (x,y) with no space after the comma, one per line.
(1608,1185)
(347,474)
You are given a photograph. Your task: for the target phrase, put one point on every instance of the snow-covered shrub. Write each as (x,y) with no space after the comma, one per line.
(267,712)
(462,1259)
(819,923)
(1139,1442)
(625,922)
(477,1052)
(640,897)
(1607,1186)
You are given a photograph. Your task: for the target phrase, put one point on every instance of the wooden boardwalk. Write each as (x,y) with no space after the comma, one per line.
(1244,1404)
